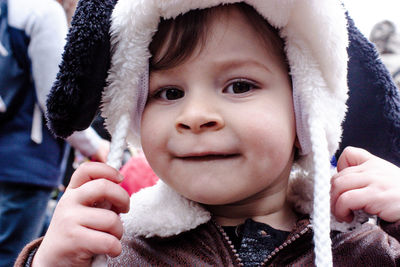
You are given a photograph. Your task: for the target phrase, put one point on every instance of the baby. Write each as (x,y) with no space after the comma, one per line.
(224,121)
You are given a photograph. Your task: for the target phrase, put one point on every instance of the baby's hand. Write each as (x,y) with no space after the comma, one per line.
(365,182)
(86,220)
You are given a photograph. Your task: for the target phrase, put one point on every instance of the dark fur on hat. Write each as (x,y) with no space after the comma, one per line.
(76,94)
(373,118)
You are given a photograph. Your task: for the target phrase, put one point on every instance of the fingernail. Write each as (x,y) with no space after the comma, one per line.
(120,177)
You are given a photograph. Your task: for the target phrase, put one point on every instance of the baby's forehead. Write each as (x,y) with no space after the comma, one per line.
(178,39)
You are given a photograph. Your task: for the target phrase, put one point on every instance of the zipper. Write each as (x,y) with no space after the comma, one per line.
(227,240)
(272,254)
(285,244)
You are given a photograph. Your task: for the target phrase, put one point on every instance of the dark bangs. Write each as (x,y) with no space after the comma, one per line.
(177,39)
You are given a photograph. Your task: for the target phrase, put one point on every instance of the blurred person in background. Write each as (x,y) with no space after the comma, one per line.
(387,41)
(30,157)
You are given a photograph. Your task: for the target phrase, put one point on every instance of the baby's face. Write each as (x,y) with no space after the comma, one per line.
(220,127)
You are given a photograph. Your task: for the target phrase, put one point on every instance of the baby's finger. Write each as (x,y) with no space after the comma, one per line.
(343,183)
(102,220)
(98,243)
(347,171)
(352,156)
(350,201)
(102,190)
(91,171)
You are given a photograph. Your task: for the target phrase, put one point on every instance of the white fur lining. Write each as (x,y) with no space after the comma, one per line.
(160,211)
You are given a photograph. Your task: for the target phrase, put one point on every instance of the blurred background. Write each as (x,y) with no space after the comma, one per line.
(366,13)
(379,21)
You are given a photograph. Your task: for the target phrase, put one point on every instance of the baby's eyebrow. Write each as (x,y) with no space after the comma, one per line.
(240,63)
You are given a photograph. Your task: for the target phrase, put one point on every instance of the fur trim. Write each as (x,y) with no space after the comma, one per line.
(160,211)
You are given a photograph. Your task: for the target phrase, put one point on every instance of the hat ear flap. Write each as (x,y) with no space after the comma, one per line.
(76,94)
(373,118)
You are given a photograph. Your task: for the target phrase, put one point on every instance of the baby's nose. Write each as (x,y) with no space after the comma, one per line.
(199,118)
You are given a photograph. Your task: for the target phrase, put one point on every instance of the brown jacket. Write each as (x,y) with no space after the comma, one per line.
(169,230)
(208,245)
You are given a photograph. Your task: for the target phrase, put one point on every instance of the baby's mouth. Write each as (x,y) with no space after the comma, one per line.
(208,157)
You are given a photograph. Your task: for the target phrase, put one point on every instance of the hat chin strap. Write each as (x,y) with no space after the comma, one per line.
(321,213)
(118,143)
(129,120)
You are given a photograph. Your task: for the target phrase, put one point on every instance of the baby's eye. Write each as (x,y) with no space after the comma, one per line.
(239,87)
(170,93)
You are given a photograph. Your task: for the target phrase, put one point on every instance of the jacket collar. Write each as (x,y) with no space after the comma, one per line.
(161,211)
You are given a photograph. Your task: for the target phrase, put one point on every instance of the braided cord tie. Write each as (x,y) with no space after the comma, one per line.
(114,159)
(321,208)
(118,142)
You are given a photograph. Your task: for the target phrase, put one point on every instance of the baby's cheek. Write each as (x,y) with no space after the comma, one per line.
(150,128)
(149,142)
(273,140)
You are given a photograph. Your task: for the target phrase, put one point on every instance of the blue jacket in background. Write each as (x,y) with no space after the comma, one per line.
(23,160)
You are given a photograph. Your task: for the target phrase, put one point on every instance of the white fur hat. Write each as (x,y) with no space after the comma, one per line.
(315,37)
